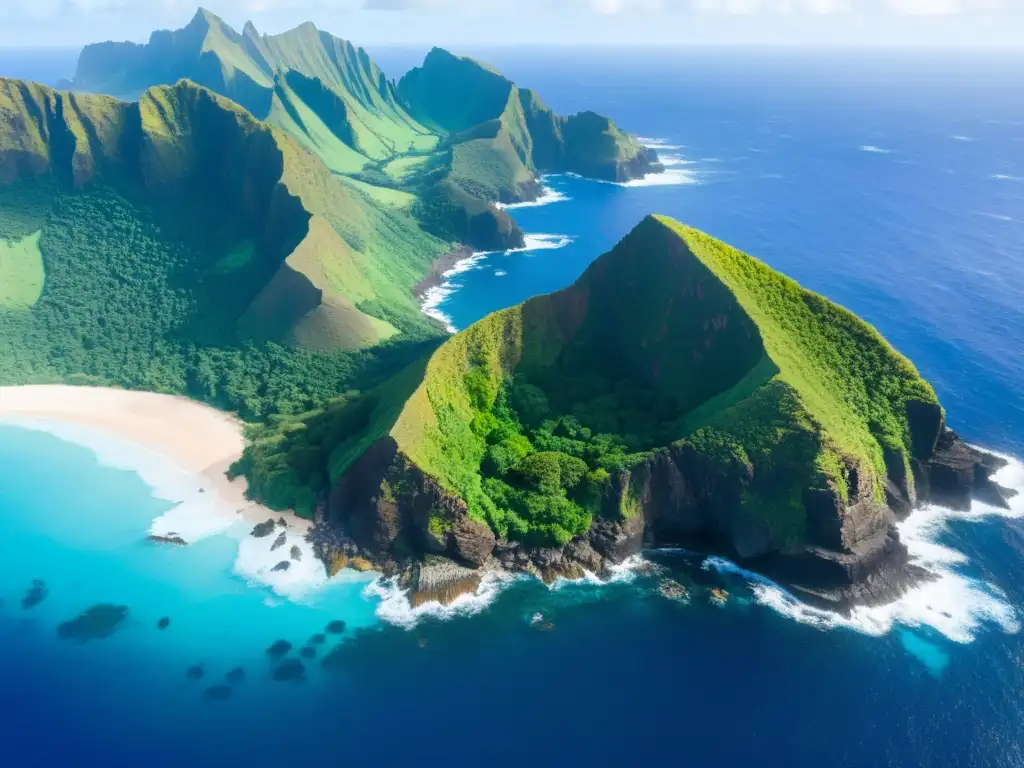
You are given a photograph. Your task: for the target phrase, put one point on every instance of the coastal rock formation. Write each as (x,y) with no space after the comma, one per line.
(680,393)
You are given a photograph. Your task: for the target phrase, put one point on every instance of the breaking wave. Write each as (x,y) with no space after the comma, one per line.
(396,608)
(875,150)
(952,603)
(548,196)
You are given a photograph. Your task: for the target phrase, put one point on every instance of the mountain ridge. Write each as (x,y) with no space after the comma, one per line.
(679,393)
(330,96)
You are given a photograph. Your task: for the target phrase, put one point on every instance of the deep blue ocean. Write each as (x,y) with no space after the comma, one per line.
(893,183)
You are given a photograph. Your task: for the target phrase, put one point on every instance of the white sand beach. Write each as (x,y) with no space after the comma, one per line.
(199,441)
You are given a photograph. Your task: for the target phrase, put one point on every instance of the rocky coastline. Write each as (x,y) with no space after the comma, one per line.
(378,516)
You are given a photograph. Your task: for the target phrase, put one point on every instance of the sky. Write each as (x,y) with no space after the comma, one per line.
(68,23)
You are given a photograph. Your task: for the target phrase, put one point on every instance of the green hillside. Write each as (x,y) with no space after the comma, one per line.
(672,344)
(178,244)
(454,135)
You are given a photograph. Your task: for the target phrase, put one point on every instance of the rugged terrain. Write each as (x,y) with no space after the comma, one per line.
(680,393)
(446,143)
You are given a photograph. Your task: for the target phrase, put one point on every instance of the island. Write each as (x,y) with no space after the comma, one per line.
(679,394)
(247,219)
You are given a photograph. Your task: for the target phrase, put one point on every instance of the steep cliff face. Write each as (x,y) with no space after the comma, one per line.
(488,116)
(680,393)
(301,250)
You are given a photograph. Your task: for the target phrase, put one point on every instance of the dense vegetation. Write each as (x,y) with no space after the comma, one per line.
(126,302)
(672,340)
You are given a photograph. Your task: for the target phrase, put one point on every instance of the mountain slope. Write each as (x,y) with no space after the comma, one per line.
(225,233)
(454,135)
(680,393)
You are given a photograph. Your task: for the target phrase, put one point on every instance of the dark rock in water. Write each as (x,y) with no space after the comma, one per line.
(284,565)
(282,522)
(309,652)
(279,541)
(96,623)
(170,538)
(296,553)
(164,623)
(235,676)
(289,670)
(261,530)
(217,693)
(317,639)
(438,579)
(279,649)
(335,627)
(35,594)
(195,672)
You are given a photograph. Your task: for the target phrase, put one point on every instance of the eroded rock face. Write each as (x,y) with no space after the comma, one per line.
(849,554)
(387,505)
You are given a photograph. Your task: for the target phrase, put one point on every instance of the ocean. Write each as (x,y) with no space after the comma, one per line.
(893,183)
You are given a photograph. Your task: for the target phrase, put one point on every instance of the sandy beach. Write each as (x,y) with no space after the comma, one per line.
(195,438)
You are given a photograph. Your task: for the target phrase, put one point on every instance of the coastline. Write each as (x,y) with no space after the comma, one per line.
(199,442)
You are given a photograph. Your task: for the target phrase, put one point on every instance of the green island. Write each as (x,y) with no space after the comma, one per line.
(247,219)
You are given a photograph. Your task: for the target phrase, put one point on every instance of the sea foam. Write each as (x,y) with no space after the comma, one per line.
(952,603)
(548,196)
(434,298)
(396,608)
(198,511)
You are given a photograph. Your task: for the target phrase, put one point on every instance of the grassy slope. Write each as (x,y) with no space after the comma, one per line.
(852,382)
(830,393)
(21,271)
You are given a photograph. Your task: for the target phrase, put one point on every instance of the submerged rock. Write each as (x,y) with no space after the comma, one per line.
(308,652)
(164,623)
(282,522)
(217,693)
(264,529)
(195,672)
(290,670)
(170,538)
(235,676)
(35,594)
(317,639)
(296,553)
(284,565)
(96,623)
(336,627)
(279,541)
(279,649)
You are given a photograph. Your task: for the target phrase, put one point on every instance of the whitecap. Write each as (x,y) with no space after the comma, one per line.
(395,607)
(657,143)
(875,150)
(435,296)
(952,603)
(1004,177)
(255,562)
(548,196)
(500,273)
(669,177)
(672,161)
(962,138)
(540,241)
(620,573)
